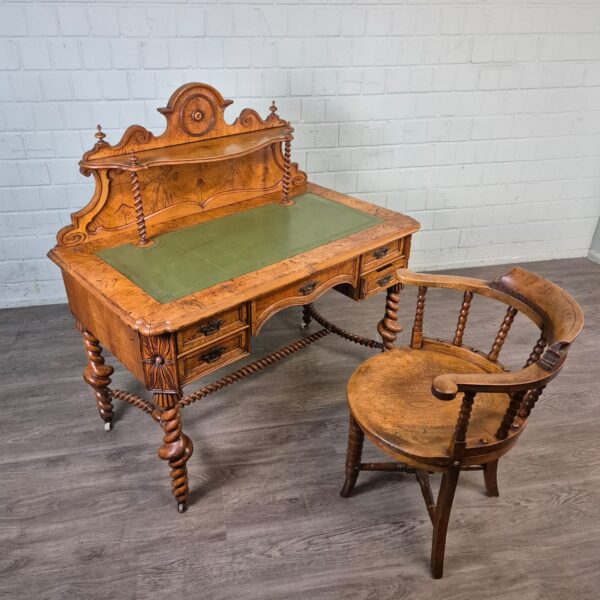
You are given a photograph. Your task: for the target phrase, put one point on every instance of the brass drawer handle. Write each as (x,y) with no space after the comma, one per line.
(308,287)
(212,355)
(211,326)
(381,282)
(380,252)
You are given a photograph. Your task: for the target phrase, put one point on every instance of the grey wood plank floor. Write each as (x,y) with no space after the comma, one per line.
(86,514)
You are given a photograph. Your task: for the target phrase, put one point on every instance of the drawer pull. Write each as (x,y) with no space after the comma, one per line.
(308,287)
(212,355)
(380,252)
(211,327)
(381,282)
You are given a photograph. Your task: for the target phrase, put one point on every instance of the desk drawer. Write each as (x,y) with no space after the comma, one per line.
(213,356)
(217,326)
(383,255)
(381,278)
(302,292)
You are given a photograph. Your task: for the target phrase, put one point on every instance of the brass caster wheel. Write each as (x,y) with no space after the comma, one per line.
(181,507)
(107,426)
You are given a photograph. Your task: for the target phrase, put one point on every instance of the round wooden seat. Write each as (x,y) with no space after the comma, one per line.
(390,397)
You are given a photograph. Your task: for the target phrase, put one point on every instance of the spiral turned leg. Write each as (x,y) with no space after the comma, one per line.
(97,375)
(306,316)
(388,327)
(176,448)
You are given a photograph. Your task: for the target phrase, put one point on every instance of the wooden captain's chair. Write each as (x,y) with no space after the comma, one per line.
(438,406)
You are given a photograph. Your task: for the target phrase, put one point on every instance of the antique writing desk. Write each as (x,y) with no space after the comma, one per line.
(194,238)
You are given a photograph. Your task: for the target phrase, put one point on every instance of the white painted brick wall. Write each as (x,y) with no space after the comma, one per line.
(481,120)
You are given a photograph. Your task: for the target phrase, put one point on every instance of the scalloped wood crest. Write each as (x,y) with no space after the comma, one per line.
(195,112)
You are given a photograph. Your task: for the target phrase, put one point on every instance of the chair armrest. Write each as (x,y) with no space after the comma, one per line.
(445,387)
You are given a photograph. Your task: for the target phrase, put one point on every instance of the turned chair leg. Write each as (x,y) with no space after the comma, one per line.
(176,448)
(441,518)
(97,375)
(490,473)
(355,445)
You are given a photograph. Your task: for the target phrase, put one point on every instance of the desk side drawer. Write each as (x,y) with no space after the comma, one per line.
(302,291)
(381,278)
(213,356)
(383,255)
(217,326)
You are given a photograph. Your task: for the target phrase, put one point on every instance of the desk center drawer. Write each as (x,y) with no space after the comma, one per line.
(302,291)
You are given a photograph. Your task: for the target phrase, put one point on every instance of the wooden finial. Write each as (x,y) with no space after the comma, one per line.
(273,108)
(100,135)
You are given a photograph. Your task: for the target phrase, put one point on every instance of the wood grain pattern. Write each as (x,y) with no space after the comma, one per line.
(267,471)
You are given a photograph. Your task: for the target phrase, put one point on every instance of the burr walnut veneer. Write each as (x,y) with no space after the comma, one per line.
(194,238)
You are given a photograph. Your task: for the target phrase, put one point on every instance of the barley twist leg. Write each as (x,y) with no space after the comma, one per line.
(176,448)
(388,327)
(306,316)
(97,375)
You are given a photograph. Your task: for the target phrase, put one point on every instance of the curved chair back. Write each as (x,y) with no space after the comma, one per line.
(555,312)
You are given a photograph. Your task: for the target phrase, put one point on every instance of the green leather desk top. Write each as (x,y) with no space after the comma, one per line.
(188,260)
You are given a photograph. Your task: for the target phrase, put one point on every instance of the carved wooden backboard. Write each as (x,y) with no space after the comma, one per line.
(194,113)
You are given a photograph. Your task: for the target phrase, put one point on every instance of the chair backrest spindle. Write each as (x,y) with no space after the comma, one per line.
(502,333)
(537,351)
(462,318)
(416,339)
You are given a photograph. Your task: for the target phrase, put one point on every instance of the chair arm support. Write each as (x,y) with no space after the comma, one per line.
(447,386)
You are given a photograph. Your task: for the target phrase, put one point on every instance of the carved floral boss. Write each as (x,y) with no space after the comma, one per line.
(159,363)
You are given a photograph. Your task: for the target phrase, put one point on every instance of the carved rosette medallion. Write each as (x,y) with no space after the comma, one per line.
(197,115)
(158,357)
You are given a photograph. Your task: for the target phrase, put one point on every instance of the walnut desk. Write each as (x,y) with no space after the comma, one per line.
(194,238)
